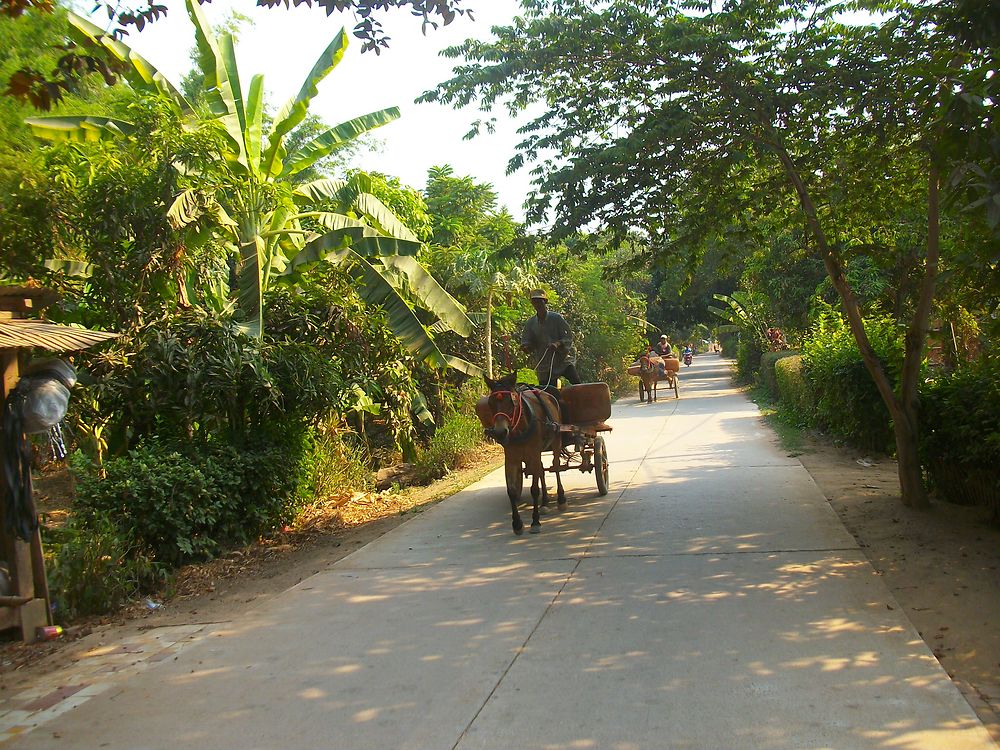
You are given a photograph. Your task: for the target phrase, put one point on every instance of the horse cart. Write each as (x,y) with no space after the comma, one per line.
(651,369)
(528,421)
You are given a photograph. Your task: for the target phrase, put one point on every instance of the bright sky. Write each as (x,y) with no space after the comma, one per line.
(284,44)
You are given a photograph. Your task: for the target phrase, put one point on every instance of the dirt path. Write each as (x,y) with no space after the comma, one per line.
(941,566)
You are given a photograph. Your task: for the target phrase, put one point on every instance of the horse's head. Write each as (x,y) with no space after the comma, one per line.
(502,409)
(506,383)
(645,363)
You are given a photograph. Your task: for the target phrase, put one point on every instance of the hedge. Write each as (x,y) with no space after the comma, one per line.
(766,374)
(795,397)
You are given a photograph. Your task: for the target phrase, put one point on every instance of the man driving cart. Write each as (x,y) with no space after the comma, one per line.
(547,339)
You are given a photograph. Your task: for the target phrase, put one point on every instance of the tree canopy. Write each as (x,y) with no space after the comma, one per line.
(705,124)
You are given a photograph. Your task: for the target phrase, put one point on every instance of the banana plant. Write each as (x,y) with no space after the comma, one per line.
(273,226)
(744,313)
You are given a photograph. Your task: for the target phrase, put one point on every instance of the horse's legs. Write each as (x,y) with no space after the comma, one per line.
(537,478)
(515,497)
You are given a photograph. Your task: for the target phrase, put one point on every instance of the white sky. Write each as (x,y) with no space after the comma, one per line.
(284,44)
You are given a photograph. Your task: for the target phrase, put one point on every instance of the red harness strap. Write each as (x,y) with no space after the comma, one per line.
(515,397)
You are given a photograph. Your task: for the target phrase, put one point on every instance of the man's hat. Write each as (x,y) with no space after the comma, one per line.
(538,294)
(663,337)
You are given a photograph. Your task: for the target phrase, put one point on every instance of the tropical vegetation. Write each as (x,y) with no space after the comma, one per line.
(814,185)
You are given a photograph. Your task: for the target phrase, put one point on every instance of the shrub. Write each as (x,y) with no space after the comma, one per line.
(189,502)
(847,402)
(96,568)
(333,464)
(728,343)
(795,401)
(452,441)
(766,375)
(748,354)
(960,432)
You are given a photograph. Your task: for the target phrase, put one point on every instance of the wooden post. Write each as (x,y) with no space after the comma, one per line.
(26,572)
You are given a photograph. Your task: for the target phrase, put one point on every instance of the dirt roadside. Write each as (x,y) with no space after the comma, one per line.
(941,565)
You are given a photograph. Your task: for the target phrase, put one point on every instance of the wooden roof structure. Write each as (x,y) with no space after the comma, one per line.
(17,331)
(39,333)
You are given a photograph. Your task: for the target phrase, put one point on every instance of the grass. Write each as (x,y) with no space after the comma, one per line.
(791,436)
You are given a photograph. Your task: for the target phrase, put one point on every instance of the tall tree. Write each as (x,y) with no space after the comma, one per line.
(681,117)
(252,200)
(472,239)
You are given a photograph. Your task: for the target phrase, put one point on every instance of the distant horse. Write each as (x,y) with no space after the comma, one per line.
(525,421)
(649,375)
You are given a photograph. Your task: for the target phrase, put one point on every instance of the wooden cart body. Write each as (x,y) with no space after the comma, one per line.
(585,409)
(671,367)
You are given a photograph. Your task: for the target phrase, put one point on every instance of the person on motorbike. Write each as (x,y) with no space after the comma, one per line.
(688,354)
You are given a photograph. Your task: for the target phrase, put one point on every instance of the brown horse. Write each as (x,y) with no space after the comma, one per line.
(650,375)
(525,421)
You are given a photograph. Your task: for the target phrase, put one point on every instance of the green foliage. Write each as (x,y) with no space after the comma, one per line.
(960,438)
(190,501)
(796,404)
(333,464)
(603,315)
(847,401)
(96,567)
(451,442)
(767,374)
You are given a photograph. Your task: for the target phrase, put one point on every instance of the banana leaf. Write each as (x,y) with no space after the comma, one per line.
(78,128)
(336,136)
(421,409)
(429,292)
(457,363)
(382,217)
(323,190)
(77,269)
(251,285)
(140,74)
(294,110)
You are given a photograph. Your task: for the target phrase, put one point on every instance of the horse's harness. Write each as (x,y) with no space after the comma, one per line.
(522,407)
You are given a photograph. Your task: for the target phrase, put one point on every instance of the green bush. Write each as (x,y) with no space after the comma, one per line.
(847,402)
(960,432)
(728,342)
(766,375)
(95,568)
(332,464)
(795,400)
(452,441)
(748,354)
(190,502)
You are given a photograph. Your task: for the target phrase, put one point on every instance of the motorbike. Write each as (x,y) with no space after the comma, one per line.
(687,358)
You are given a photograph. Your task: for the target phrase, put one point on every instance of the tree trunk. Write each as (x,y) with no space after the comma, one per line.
(489,333)
(903,414)
(916,336)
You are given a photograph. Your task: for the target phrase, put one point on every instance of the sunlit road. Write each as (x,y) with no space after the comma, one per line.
(711,600)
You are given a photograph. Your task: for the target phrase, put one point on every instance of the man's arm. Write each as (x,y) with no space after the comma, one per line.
(565,335)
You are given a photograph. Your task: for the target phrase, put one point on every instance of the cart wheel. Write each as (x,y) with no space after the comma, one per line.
(601,465)
(676,392)
(515,480)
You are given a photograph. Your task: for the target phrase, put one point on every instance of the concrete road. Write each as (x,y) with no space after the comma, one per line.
(711,600)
